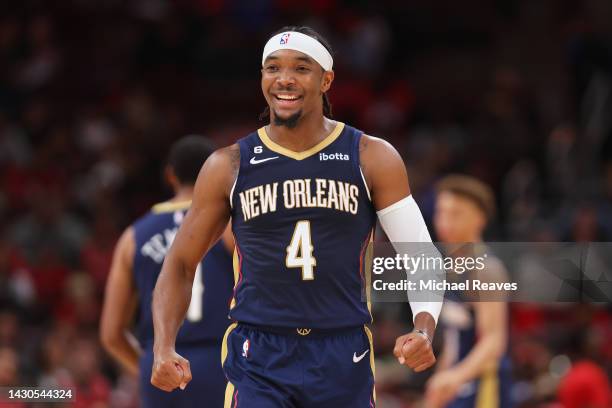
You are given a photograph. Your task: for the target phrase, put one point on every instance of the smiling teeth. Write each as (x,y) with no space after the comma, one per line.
(287,98)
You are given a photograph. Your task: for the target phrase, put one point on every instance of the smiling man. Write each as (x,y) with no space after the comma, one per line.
(303,194)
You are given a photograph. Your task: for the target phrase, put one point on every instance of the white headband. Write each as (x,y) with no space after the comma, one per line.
(292,40)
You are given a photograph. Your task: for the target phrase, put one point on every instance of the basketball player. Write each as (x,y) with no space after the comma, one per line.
(136,265)
(303,194)
(474,366)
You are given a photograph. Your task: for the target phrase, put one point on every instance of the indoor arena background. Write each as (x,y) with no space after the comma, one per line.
(92,93)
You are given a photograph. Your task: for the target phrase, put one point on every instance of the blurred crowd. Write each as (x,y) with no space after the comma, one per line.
(516,93)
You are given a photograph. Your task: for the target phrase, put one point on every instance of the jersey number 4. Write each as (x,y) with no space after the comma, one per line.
(299,251)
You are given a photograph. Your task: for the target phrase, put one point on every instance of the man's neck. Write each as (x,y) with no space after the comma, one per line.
(465,239)
(183,193)
(307,133)
(473,238)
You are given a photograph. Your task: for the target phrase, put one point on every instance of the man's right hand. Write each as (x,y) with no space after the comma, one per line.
(170,370)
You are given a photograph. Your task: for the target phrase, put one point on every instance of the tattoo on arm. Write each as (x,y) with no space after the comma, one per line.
(363,143)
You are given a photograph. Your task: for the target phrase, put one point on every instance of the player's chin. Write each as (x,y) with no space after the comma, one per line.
(288,119)
(284,115)
(287,112)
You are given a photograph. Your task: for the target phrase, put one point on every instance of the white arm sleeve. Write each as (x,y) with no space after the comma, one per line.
(404,223)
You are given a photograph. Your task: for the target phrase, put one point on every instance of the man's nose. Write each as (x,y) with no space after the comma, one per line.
(285,78)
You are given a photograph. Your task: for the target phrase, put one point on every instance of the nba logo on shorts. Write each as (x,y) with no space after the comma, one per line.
(284,38)
(245,348)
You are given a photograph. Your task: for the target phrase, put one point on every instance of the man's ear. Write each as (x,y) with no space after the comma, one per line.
(170,177)
(482,221)
(328,78)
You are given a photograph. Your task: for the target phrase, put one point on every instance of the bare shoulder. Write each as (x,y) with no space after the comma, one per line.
(126,240)
(224,162)
(384,171)
(126,246)
(226,158)
(371,147)
(377,153)
(218,173)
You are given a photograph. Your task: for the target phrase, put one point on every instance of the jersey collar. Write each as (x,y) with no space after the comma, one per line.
(275,147)
(170,206)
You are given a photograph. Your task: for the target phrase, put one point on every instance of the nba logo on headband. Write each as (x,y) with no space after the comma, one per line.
(299,42)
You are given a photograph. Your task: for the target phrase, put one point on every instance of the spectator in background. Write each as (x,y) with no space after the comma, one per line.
(48,227)
(9,367)
(79,305)
(53,356)
(9,328)
(97,251)
(9,375)
(91,387)
(586,385)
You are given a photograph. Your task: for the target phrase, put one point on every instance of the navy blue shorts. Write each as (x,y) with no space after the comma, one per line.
(270,368)
(206,389)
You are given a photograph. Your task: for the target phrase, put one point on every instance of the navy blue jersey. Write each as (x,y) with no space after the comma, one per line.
(458,316)
(212,289)
(458,319)
(302,223)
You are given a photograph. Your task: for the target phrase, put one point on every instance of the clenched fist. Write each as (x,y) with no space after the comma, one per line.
(414,350)
(170,370)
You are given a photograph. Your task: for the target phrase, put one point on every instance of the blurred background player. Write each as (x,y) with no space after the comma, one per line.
(474,366)
(136,265)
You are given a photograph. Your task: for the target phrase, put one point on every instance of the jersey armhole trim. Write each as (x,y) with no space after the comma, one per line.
(135,254)
(242,157)
(357,153)
(231,196)
(365,184)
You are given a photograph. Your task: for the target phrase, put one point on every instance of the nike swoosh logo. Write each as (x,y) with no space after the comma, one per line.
(255,161)
(357,359)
